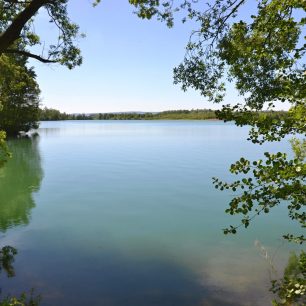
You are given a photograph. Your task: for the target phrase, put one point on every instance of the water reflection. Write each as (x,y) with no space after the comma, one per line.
(127,215)
(19,178)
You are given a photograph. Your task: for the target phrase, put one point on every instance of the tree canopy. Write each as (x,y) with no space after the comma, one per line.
(262,53)
(19,95)
(17,33)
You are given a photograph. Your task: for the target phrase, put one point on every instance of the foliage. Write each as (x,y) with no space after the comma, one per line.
(197,114)
(274,180)
(19,95)
(23,300)
(47,114)
(4,152)
(263,53)
(17,29)
(291,288)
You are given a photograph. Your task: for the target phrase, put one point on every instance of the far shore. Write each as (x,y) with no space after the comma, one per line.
(50,114)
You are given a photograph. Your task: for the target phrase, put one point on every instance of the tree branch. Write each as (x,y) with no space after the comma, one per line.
(13,32)
(28,54)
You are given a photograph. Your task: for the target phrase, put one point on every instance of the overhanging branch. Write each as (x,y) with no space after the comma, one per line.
(28,54)
(12,33)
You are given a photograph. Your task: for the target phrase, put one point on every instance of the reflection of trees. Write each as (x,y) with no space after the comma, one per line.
(19,178)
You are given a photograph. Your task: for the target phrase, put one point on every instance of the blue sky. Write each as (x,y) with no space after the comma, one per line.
(127,65)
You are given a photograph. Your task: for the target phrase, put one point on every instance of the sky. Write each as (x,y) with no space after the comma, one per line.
(127,64)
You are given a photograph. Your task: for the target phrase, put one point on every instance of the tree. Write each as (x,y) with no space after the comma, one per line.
(19,95)
(263,54)
(17,29)
(47,114)
(4,153)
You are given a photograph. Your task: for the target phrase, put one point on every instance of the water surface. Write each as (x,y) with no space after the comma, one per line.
(125,213)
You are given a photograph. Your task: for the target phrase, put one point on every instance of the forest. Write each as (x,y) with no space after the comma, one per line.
(50,114)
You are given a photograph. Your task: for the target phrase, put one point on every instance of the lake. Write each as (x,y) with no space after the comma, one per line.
(125,213)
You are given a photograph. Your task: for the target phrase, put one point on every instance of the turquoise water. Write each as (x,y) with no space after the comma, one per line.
(125,213)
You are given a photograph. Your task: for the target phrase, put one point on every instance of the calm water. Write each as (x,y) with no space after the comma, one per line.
(125,213)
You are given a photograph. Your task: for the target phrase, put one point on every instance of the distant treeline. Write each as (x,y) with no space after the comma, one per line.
(51,114)
(197,114)
(48,114)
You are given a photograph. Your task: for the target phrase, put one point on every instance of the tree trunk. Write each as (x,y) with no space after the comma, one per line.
(12,33)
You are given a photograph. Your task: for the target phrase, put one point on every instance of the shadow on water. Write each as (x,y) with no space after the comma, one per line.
(19,178)
(116,280)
